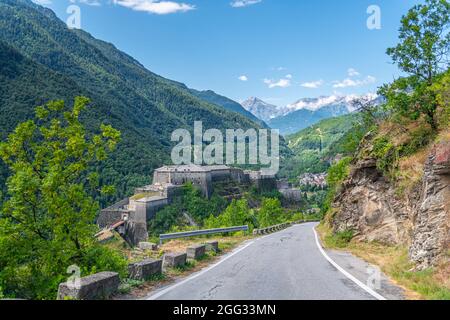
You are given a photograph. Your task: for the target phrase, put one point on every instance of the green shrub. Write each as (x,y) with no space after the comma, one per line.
(339,239)
(271,213)
(237,213)
(99,259)
(336,175)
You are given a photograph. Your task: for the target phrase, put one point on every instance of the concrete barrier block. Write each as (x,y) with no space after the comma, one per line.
(143,270)
(148,246)
(196,252)
(212,246)
(98,286)
(175,259)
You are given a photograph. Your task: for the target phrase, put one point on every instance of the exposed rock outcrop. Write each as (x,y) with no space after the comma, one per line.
(369,205)
(431,220)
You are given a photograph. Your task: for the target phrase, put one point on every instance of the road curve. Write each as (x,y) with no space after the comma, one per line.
(286,265)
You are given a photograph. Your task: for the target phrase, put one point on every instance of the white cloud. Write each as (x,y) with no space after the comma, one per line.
(243,3)
(155,6)
(354,83)
(312,84)
(243,78)
(43,2)
(282,83)
(95,3)
(289,76)
(352,72)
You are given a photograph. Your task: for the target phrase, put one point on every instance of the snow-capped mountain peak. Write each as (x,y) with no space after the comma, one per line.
(261,109)
(314,104)
(267,112)
(303,112)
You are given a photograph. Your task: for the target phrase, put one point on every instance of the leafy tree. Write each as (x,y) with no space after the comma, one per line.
(441,88)
(47,219)
(423,53)
(271,212)
(425,40)
(236,214)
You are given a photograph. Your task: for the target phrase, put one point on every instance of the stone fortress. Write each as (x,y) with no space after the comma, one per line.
(129,216)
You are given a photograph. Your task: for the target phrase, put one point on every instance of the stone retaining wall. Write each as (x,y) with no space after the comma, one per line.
(98,286)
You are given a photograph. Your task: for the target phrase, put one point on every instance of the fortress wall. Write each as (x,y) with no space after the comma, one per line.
(112,214)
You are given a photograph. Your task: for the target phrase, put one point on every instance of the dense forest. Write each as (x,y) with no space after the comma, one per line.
(43,60)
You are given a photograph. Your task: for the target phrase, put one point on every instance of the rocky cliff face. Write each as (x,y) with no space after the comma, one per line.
(369,205)
(431,219)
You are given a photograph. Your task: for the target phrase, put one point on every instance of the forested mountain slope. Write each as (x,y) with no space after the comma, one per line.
(42,59)
(315,146)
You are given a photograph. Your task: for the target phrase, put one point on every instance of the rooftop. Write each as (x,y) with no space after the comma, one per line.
(192,168)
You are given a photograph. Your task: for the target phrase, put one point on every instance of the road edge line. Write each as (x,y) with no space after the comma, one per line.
(345,273)
(199,273)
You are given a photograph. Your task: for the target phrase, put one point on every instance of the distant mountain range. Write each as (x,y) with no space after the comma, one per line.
(261,109)
(304,112)
(214,98)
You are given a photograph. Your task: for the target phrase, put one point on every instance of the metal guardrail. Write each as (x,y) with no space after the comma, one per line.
(271,229)
(188,234)
(279,227)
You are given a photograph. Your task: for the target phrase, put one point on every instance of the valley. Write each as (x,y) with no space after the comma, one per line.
(142,187)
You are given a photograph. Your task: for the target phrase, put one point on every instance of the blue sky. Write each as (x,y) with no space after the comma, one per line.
(277,50)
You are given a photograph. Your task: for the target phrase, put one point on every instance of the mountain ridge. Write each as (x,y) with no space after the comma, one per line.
(304,112)
(144,106)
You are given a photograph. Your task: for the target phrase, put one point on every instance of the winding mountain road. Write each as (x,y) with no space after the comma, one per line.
(290,265)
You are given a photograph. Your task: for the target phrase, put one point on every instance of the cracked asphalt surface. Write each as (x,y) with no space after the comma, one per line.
(285,265)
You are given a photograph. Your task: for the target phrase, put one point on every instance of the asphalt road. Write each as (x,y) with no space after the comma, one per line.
(285,265)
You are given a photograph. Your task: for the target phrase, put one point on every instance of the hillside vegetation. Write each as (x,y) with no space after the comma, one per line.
(43,60)
(315,147)
(388,200)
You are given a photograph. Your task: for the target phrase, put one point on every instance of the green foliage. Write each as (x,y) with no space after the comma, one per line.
(338,172)
(258,195)
(271,213)
(47,219)
(314,146)
(339,239)
(423,54)
(99,258)
(410,98)
(41,60)
(424,40)
(237,213)
(191,202)
(336,175)
(441,88)
(297,217)
(127,285)
(388,155)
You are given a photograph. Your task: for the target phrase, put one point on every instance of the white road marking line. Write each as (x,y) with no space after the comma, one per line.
(163,292)
(345,273)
